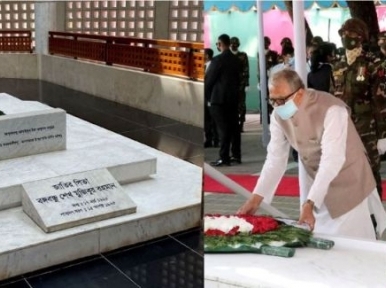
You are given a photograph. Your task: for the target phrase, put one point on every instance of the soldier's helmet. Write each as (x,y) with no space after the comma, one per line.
(355,25)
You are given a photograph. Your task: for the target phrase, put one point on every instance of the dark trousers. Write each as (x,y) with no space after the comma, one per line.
(211,135)
(227,124)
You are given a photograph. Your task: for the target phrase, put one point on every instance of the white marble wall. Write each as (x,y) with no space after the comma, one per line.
(19,66)
(172,97)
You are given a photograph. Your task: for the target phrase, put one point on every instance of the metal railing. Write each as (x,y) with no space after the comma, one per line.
(176,58)
(16,41)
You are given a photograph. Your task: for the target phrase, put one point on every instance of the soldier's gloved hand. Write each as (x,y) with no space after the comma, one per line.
(246,89)
(381,145)
(258,86)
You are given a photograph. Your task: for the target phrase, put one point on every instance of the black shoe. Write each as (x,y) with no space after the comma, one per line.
(215,144)
(236,160)
(208,144)
(220,163)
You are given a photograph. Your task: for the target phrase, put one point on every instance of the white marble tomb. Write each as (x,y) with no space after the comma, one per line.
(167,202)
(354,263)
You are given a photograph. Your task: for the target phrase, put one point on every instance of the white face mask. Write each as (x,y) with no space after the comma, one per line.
(287,110)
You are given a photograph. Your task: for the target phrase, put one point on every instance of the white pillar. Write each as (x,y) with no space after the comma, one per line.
(300,39)
(263,74)
(161,19)
(49,16)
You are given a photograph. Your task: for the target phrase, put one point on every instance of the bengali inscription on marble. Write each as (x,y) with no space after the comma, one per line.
(67,201)
(32,133)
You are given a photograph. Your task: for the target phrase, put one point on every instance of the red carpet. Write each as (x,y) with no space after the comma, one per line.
(289,186)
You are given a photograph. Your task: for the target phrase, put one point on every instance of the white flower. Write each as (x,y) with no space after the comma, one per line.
(227,223)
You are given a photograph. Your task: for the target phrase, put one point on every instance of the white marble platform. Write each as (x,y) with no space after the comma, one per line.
(88,148)
(350,263)
(167,202)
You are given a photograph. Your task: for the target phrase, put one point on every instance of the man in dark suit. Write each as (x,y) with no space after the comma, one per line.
(222,81)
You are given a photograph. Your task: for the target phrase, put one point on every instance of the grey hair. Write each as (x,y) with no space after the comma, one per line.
(288,75)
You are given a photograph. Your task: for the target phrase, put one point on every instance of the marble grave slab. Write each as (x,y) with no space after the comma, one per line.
(32,133)
(71,200)
(167,202)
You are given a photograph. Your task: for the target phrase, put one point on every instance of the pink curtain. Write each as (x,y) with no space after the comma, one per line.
(282,27)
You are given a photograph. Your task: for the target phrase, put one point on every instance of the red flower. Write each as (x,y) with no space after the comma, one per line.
(261,224)
(214,232)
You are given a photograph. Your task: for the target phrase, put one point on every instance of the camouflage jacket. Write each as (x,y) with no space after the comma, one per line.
(244,73)
(379,92)
(356,85)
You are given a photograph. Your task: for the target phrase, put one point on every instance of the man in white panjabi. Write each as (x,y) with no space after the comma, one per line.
(337,188)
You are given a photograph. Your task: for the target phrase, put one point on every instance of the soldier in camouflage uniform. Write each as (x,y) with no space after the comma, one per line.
(355,82)
(244,75)
(382,45)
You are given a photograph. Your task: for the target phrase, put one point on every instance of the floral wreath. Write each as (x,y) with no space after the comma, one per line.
(257,234)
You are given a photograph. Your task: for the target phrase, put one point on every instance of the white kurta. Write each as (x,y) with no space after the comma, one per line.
(355,223)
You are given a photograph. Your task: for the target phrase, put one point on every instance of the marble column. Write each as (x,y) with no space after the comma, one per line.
(161,19)
(263,75)
(49,16)
(300,40)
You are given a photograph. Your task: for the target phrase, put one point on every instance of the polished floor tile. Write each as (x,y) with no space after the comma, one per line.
(167,143)
(192,239)
(183,131)
(15,284)
(162,264)
(97,273)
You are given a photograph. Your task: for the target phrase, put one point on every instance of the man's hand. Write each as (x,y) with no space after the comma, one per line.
(381,145)
(307,215)
(251,205)
(246,89)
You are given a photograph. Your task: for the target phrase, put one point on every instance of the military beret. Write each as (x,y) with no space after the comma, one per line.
(355,25)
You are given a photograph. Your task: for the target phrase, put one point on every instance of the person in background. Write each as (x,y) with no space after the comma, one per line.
(287,55)
(320,77)
(337,187)
(382,45)
(222,84)
(309,50)
(354,84)
(211,137)
(271,60)
(244,82)
(271,56)
(285,42)
(316,41)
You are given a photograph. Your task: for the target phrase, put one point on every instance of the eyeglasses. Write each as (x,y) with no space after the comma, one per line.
(281,100)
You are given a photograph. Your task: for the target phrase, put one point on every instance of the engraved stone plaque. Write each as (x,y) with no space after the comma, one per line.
(32,133)
(63,202)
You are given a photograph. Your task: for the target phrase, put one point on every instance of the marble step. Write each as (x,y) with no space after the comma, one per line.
(167,202)
(126,164)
